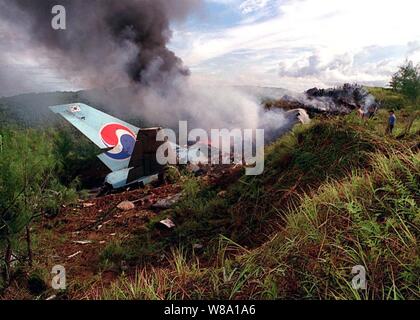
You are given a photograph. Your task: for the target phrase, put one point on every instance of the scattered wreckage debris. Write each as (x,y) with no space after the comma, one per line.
(168,223)
(74,254)
(223,175)
(145,201)
(86,229)
(126,206)
(342,100)
(93,227)
(83,242)
(100,221)
(168,202)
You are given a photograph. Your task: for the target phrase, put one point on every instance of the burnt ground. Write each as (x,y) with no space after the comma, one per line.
(78,235)
(99,222)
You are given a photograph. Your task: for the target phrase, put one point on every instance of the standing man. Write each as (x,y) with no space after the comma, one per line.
(391,121)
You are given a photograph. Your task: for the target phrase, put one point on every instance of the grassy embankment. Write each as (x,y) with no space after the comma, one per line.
(335,194)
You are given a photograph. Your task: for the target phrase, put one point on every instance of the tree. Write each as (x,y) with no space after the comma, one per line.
(28,189)
(407,82)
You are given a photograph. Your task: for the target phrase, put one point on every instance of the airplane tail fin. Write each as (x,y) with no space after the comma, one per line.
(116,138)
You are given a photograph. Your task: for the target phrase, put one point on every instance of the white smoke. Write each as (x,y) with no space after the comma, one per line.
(203,106)
(338,100)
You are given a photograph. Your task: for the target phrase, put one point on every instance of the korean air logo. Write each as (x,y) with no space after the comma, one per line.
(120,138)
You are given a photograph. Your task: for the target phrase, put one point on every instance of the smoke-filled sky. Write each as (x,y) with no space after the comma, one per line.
(294,44)
(105,43)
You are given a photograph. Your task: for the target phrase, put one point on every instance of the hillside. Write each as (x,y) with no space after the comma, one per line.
(335,194)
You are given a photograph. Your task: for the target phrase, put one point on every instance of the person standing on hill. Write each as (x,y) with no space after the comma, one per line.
(391,121)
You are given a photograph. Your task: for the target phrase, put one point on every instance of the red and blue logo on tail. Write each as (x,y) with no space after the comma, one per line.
(120,138)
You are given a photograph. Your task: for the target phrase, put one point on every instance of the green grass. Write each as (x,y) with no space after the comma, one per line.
(335,194)
(366,219)
(371,220)
(253,207)
(388,98)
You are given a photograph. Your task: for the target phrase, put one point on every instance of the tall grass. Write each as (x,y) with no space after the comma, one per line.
(359,207)
(367,219)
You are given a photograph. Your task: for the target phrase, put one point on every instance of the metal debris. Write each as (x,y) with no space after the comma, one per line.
(168,223)
(145,200)
(88,205)
(74,254)
(198,246)
(126,206)
(83,242)
(167,202)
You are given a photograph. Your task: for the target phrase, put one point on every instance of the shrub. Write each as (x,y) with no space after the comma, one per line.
(28,189)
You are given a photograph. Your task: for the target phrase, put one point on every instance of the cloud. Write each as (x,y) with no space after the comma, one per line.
(288,43)
(312,41)
(372,65)
(250,6)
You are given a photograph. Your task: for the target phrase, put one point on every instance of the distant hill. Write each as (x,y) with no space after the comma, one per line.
(32,109)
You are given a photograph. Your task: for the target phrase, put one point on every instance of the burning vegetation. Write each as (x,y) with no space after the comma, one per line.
(334,101)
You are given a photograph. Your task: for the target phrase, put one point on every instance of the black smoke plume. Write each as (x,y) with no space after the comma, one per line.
(110,45)
(105,39)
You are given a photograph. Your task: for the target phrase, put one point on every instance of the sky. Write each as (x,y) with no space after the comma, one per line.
(298,44)
(293,44)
